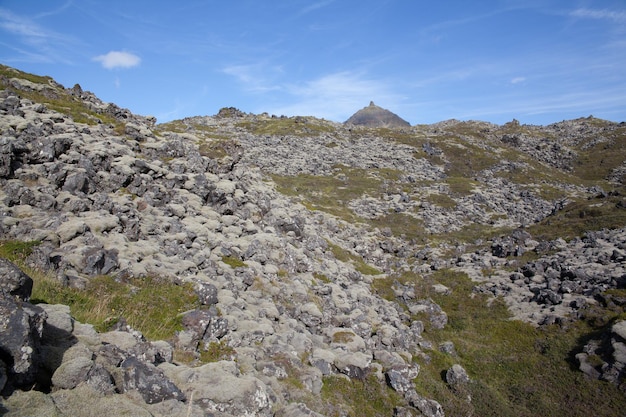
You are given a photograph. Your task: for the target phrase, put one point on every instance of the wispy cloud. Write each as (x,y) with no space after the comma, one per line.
(314,6)
(338,95)
(518,80)
(33,42)
(604,14)
(257,78)
(118,59)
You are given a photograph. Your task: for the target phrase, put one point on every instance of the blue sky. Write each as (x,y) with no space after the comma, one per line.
(539,61)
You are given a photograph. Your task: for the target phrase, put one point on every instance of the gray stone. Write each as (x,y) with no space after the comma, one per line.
(21,327)
(619,328)
(456,376)
(13,281)
(71,373)
(149,381)
(398,381)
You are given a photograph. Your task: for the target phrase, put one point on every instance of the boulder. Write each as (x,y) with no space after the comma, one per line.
(149,381)
(13,281)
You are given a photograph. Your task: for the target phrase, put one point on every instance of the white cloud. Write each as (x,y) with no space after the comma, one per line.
(617,16)
(337,96)
(118,59)
(518,80)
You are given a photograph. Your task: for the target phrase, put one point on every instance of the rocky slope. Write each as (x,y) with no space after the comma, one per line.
(297,235)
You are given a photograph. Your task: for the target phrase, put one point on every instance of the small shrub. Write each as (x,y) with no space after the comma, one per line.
(233,262)
(216,351)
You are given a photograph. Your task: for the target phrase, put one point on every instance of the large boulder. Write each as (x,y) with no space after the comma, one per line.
(21,329)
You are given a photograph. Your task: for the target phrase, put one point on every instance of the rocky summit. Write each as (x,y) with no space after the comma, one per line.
(261,265)
(375,116)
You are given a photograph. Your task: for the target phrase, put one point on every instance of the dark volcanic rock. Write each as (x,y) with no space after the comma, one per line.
(375,116)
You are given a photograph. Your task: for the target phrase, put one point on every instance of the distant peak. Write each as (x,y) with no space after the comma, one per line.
(375,116)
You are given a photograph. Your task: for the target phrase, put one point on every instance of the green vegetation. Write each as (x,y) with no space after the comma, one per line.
(16,251)
(441,200)
(358,262)
(321,277)
(578,217)
(516,369)
(218,148)
(150,305)
(216,351)
(355,398)
(461,185)
(233,262)
(294,126)
(595,163)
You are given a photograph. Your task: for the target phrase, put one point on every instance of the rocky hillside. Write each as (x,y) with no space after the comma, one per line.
(242,264)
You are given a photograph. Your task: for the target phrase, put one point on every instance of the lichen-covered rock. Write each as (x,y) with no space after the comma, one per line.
(149,381)
(14,282)
(21,327)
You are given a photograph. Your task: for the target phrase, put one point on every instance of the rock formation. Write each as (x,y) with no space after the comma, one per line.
(375,116)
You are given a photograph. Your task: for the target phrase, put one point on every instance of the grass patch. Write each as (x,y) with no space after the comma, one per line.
(516,369)
(402,225)
(150,305)
(441,200)
(332,194)
(283,126)
(595,163)
(216,351)
(17,251)
(460,185)
(233,262)
(346,256)
(355,398)
(578,217)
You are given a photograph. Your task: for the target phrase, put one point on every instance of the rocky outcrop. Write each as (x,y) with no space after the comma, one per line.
(375,116)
